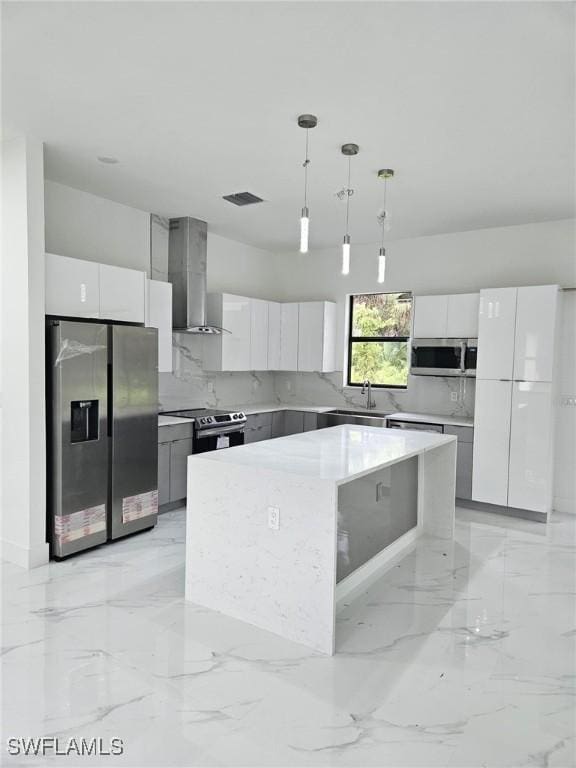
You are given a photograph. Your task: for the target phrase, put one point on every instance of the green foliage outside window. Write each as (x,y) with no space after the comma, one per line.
(380,327)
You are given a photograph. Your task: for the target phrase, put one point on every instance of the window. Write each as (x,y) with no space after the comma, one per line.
(378,339)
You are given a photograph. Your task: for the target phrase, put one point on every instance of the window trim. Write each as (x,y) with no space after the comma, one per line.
(379,339)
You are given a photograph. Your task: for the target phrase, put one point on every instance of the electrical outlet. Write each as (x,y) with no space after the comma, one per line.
(210,386)
(381,492)
(274,518)
(454,397)
(289,385)
(568,401)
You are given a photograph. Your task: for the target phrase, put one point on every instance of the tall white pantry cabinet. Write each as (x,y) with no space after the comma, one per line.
(514,414)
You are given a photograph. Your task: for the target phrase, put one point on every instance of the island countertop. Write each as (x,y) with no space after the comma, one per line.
(339,454)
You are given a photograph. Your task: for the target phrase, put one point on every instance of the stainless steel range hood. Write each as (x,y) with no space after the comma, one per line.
(187,252)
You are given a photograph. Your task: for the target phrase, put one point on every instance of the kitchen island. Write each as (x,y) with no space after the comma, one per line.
(281,532)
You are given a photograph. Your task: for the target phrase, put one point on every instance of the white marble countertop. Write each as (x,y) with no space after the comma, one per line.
(170,421)
(338,454)
(432,418)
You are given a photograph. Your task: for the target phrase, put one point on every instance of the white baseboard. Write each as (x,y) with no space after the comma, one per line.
(25,557)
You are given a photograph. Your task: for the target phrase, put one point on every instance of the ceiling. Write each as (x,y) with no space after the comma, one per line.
(471,103)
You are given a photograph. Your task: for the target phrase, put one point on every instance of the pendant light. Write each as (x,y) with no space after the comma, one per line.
(348,150)
(384,174)
(307,122)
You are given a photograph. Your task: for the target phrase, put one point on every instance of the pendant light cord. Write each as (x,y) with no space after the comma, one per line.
(306,164)
(348,192)
(384,212)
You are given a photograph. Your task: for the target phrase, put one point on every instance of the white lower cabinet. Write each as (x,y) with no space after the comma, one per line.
(531,451)
(159,315)
(491,441)
(122,294)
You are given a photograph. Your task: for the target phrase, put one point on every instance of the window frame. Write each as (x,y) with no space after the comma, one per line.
(378,339)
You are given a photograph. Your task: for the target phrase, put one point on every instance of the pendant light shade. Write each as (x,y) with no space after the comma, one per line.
(349,151)
(307,122)
(384,174)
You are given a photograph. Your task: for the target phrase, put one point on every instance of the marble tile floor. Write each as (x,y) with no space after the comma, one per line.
(463,655)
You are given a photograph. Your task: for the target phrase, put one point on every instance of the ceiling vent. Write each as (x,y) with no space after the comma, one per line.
(243,198)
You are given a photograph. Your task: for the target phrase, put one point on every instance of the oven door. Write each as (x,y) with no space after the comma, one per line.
(218,438)
(438,357)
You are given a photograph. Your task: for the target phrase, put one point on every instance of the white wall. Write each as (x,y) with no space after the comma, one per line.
(234,267)
(531,254)
(23,530)
(85,226)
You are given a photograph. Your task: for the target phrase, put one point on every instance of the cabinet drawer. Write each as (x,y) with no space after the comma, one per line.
(257,420)
(170,432)
(254,435)
(464,434)
(179,452)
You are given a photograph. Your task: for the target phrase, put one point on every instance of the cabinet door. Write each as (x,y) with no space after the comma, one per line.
(530,480)
(163,473)
(289,337)
(535,333)
(430,316)
(278,423)
(179,452)
(159,315)
(293,422)
(491,441)
(237,318)
(274,335)
(464,462)
(310,421)
(258,335)
(72,287)
(310,335)
(496,328)
(122,294)
(462,320)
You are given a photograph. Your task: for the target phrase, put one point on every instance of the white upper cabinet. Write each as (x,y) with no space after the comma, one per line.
(258,335)
(229,351)
(536,311)
(289,336)
(72,287)
(491,441)
(274,310)
(159,315)
(462,317)
(122,294)
(454,316)
(430,317)
(316,336)
(531,449)
(496,330)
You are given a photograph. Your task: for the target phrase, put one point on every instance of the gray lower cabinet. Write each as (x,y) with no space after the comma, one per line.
(179,452)
(293,422)
(278,423)
(174,447)
(258,427)
(464,457)
(163,473)
(310,421)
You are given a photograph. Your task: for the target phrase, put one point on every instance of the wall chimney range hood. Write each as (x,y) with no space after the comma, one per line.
(187,251)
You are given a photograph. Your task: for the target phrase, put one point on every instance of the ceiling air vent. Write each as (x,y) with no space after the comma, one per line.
(243,198)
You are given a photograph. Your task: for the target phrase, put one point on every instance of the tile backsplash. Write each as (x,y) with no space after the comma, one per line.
(189,386)
(425,394)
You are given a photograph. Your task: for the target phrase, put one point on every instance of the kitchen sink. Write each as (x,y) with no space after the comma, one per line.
(344,416)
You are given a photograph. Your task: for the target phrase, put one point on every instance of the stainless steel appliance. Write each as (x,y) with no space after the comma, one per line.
(102,419)
(419,426)
(214,429)
(343,416)
(443,357)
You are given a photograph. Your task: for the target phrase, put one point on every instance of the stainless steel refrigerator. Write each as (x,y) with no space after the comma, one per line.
(102,418)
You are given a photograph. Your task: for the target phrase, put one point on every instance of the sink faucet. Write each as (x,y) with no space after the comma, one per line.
(367,390)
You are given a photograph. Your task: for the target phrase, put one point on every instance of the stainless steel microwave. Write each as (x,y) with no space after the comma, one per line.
(443,357)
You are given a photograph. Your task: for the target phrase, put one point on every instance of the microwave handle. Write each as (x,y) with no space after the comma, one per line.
(463,357)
